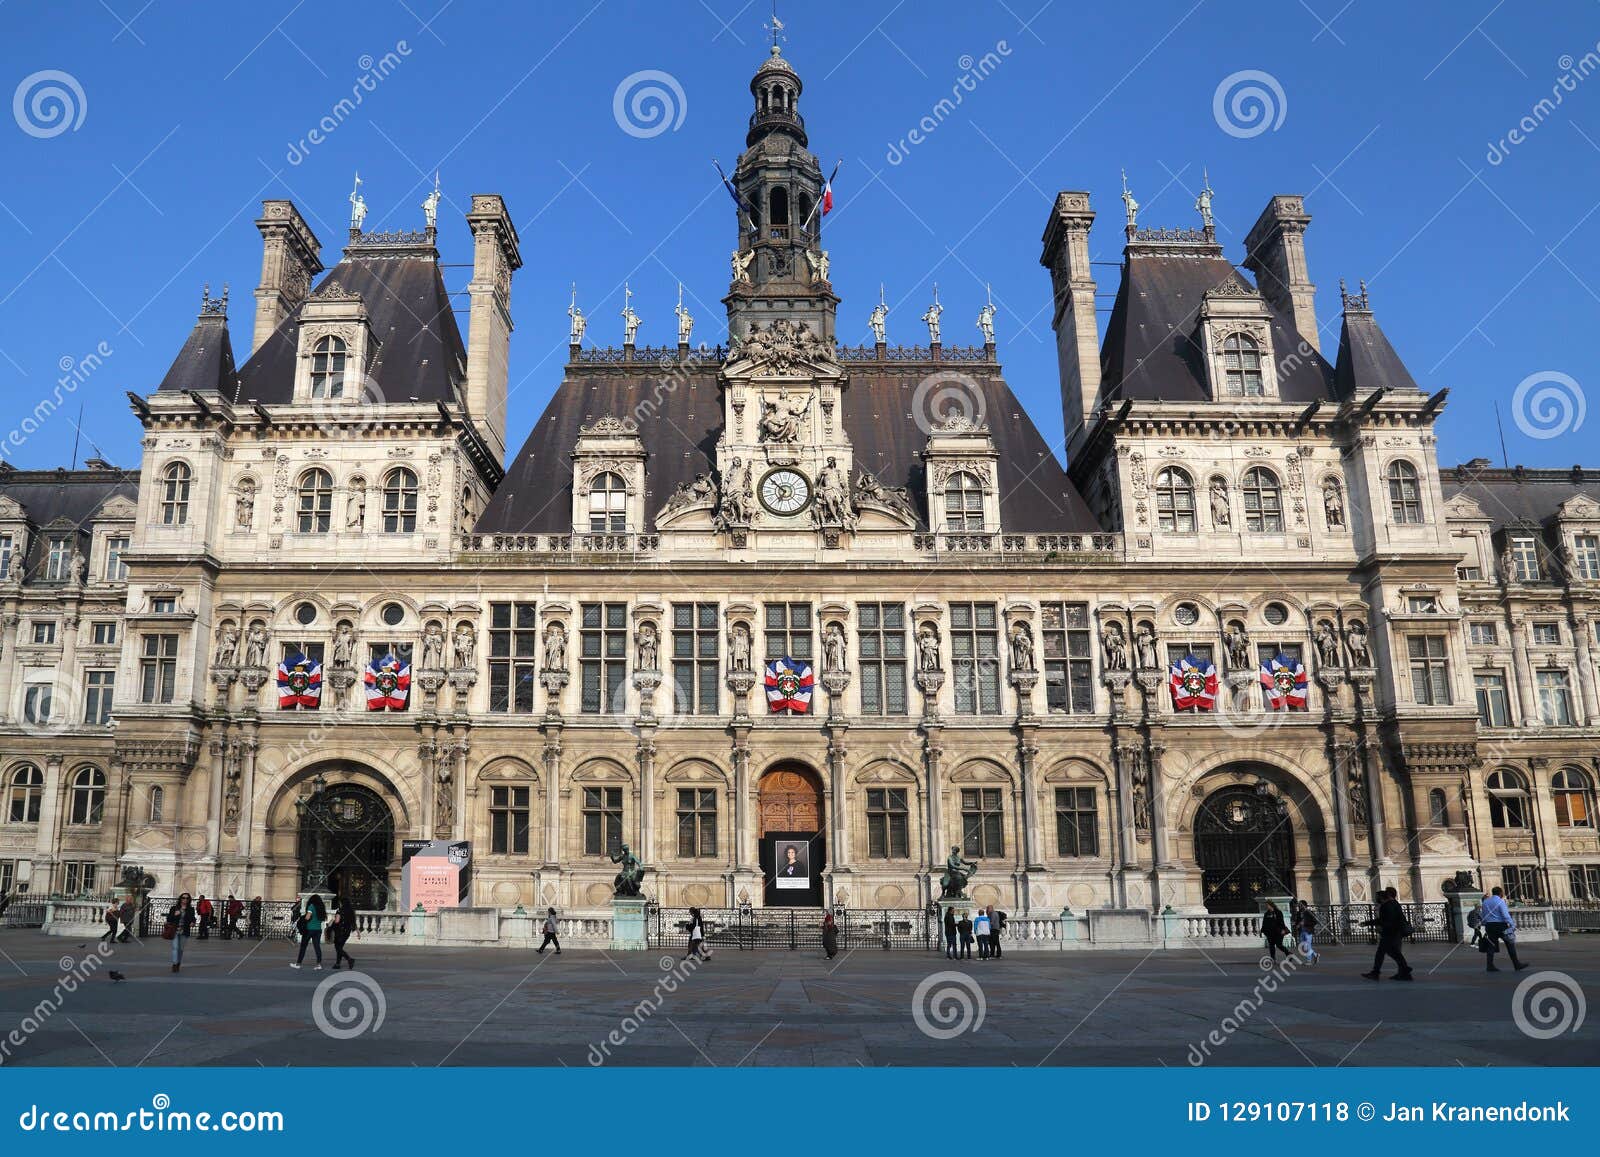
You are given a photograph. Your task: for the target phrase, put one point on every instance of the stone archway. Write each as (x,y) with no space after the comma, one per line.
(1244,846)
(345,843)
(790,818)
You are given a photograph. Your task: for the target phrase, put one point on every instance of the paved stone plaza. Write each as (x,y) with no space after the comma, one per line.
(240,1004)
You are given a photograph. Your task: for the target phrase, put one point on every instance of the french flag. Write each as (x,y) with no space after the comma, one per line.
(827,190)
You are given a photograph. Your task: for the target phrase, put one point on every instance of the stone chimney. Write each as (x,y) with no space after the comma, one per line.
(495,257)
(289,260)
(1066,255)
(1275,251)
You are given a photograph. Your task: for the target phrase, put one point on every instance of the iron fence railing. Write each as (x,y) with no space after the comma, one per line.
(795,929)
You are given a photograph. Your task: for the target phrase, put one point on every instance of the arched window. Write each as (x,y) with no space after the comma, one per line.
(175,495)
(1574,798)
(327,368)
(963,503)
(1241,366)
(778,210)
(316,501)
(1263,501)
(88,796)
(608,504)
(1438,809)
(1405,492)
(158,803)
(400,502)
(25,795)
(1175,501)
(1508,799)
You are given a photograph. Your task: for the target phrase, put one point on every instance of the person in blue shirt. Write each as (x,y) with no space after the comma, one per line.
(1499,927)
(980,929)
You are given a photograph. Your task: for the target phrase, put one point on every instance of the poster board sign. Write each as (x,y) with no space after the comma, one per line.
(792,865)
(435,873)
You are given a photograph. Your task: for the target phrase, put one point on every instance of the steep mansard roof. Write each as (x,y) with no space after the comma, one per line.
(420,353)
(1366,359)
(63,498)
(1519,496)
(206,360)
(679,419)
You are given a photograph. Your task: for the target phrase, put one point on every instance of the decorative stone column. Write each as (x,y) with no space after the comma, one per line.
(1158,808)
(1027,759)
(46,842)
(249,745)
(1526,699)
(839,819)
(1341,757)
(551,729)
(644,753)
(1582,629)
(932,754)
(8,660)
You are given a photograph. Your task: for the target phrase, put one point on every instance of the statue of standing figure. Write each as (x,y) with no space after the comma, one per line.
(358,206)
(932,317)
(630,320)
(579,322)
(646,649)
(631,875)
(986,322)
(928,649)
(879,319)
(833,648)
(685,319)
(255,646)
(432,648)
(1021,648)
(555,647)
(957,871)
(739,648)
(463,647)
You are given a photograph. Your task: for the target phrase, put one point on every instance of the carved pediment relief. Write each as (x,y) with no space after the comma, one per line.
(1579,508)
(1463,507)
(115,509)
(785,350)
(11,510)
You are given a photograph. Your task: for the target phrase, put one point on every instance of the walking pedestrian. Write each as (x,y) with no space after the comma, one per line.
(309,925)
(203,910)
(980,929)
(830,936)
(697,935)
(1275,931)
(1305,927)
(1499,927)
(997,926)
(964,926)
(344,926)
(255,919)
(552,931)
(950,933)
(126,914)
(110,933)
(1475,922)
(180,923)
(1393,927)
(231,914)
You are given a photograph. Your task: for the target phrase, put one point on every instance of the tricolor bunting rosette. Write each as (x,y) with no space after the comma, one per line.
(789,685)
(388,682)
(299,683)
(1285,681)
(1193,682)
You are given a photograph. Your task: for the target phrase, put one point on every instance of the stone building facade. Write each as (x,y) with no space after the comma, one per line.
(979,648)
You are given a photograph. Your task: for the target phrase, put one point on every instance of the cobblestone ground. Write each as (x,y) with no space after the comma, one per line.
(240,1004)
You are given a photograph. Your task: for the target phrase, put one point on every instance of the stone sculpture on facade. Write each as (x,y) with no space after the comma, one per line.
(833,497)
(957,872)
(630,320)
(1116,648)
(555,648)
(626,884)
(928,649)
(430,205)
(895,498)
(244,506)
(739,648)
(432,648)
(1327,644)
(932,317)
(1145,645)
(255,646)
(226,653)
(358,207)
(1220,513)
(463,647)
(1238,641)
(878,319)
(780,419)
(818,261)
(579,322)
(355,507)
(1021,648)
(1332,504)
(735,510)
(444,794)
(1355,642)
(646,647)
(833,648)
(986,322)
(685,319)
(1356,780)
(344,646)
(741,266)
(699,492)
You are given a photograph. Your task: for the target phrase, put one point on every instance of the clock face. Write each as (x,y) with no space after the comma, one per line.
(785,491)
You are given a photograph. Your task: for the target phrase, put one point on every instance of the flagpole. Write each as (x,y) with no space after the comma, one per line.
(818,205)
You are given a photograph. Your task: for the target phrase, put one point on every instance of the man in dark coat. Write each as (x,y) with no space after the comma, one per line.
(950,933)
(1392,927)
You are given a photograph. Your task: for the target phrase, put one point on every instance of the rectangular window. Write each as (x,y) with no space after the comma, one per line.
(158,669)
(97,694)
(44,632)
(981,827)
(697,823)
(1555,698)
(164,605)
(1547,634)
(508,821)
(1068,668)
(116,569)
(605,657)
(694,659)
(1525,559)
(513,669)
(602,821)
(1521,882)
(975,655)
(1430,670)
(888,824)
(36,702)
(1076,831)
(881,643)
(1586,556)
(58,562)
(8,872)
(103,634)
(77,877)
(789,631)
(1422,604)
(1585,880)
(6,548)
(1494,709)
(1484,634)
(1468,569)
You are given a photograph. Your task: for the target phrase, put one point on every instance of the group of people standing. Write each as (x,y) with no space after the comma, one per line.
(987,925)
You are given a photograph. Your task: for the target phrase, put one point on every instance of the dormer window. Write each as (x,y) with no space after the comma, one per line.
(7,545)
(315,505)
(608,504)
(175,495)
(1263,501)
(1585,556)
(327,368)
(1241,367)
(1405,493)
(400,502)
(963,503)
(1525,559)
(1175,501)
(55,567)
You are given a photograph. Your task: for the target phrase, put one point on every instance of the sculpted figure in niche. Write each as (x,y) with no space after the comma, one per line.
(928,649)
(432,648)
(833,497)
(1355,641)
(1145,642)
(227,652)
(464,646)
(244,507)
(1332,504)
(1220,514)
(1327,644)
(780,420)
(255,645)
(355,507)
(1238,648)
(833,648)
(645,643)
(555,647)
(344,645)
(1116,650)
(739,648)
(1021,648)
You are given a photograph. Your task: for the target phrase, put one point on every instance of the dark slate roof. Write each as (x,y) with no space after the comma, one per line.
(680,428)
(1519,496)
(1152,350)
(421,354)
(206,360)
(51,498)
(1366,359)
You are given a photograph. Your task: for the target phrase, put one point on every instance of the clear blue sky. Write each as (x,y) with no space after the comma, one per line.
(1481,273)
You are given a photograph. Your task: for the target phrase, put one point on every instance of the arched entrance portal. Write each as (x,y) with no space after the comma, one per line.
(792,849)
(1245,848)
(346,843)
